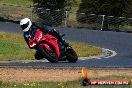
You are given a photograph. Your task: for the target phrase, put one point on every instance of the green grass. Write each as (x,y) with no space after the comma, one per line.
(15,9)
(24,3)
(126,28)
(68,84)
(85,50)
(13,47)
(15,13)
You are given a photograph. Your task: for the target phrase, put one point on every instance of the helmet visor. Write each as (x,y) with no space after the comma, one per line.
(24,26)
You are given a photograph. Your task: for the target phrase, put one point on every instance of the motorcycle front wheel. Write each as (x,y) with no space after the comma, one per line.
(49,55)
(38,55)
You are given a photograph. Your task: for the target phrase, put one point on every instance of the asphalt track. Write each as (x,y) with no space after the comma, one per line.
(118,41)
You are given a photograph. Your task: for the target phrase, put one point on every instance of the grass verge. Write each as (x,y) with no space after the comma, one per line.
(13,47)
(68,84)
(24,3)
(15,13)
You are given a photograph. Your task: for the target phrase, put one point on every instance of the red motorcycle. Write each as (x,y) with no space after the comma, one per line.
(49,47)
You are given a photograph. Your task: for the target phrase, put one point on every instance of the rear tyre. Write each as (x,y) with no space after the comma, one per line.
(50,56)
(72,56)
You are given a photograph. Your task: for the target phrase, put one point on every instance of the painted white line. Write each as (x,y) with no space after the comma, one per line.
(111,51)
(106,53)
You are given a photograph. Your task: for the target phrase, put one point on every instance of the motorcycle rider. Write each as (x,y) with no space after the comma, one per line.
(29,28)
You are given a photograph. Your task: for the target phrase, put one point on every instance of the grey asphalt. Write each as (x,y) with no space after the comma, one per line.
(118,41)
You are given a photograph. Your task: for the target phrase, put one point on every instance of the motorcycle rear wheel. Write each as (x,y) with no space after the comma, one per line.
(51,57)
(71,56)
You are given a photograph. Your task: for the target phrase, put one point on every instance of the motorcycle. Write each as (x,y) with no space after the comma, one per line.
(48,46)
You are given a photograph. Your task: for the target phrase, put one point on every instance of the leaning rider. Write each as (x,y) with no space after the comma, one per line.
(29,28)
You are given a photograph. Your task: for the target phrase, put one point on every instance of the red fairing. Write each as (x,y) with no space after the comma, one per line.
(39,37)
(53,41)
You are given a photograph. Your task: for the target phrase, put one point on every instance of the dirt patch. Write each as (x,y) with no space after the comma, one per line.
(20,75)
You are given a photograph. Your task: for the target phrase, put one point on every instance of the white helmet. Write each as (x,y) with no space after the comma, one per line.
(25,24)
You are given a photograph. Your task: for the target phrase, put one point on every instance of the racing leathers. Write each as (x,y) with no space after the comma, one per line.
(31,33)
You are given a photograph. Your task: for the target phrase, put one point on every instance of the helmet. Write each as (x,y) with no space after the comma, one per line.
(25,24)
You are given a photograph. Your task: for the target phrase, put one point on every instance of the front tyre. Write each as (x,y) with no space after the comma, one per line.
(38,55)
(49,55)
(72,56)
